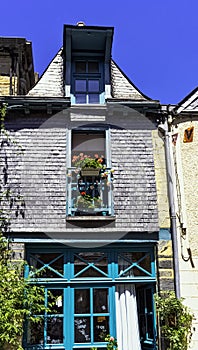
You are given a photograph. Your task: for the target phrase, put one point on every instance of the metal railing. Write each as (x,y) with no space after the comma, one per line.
(90,193)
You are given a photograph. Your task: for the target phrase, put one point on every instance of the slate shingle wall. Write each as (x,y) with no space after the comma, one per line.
(134,180)
(38,176)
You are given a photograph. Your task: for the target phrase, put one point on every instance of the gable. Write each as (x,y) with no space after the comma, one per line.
(50,83)
(122,87)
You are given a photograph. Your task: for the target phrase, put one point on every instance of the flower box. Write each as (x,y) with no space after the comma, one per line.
(90,172)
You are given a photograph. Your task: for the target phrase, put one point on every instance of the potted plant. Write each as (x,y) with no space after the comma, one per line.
(87,203)
(84,203)
(88,165)
(111,343)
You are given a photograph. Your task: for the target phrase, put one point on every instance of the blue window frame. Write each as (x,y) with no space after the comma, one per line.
(83,283)
(87,81)
(89,193)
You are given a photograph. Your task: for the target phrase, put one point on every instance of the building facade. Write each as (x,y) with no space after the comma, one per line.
(89,207)
(184,142)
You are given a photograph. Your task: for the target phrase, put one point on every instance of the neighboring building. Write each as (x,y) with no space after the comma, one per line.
(101,241)
(184,133)
(16,66)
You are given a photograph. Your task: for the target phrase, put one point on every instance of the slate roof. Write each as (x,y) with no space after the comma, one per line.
(122,87)
(51,84)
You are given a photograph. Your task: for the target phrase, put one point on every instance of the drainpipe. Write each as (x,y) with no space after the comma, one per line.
(163,128)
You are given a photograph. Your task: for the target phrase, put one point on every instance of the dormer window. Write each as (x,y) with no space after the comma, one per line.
(87,58)
(87,82)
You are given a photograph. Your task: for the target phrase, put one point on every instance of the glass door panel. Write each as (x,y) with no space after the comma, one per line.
(101,328)
(82,301)
(91,315)
(54,330)
(100,304)
(35,334)
(82,330)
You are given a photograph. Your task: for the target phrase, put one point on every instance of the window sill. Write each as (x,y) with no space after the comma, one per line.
(91,218)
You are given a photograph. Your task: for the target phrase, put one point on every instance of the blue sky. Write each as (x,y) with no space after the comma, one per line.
(155,41)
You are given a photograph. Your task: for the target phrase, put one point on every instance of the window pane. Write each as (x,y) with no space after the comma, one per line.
(82,329)
(80,67)
(150,326)
(142,259)
(142,325)
(56,298)
(88,259)
(101,328)
(93,85)
(55,330)
(82,301)
(141,303)
(80,85)
(36,333)
(149,300)
(88,143)
(80,98)
(51,263)
(93,67)
(124,263)
(100,300)
(94,98)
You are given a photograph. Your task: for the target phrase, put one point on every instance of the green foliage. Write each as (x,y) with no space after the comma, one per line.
(19,300)
(112,342)
(88,202)
(175,320)
(92,163)
(84,161)
(3,111)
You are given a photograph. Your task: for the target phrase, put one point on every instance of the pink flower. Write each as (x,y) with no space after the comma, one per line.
(74,159)
(111,339)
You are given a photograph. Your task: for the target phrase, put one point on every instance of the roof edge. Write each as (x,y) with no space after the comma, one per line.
(59,51)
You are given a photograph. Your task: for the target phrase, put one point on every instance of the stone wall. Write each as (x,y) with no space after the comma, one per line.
(5,85)
(161,180)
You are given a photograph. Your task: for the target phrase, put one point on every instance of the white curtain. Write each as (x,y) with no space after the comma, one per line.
(127,326)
